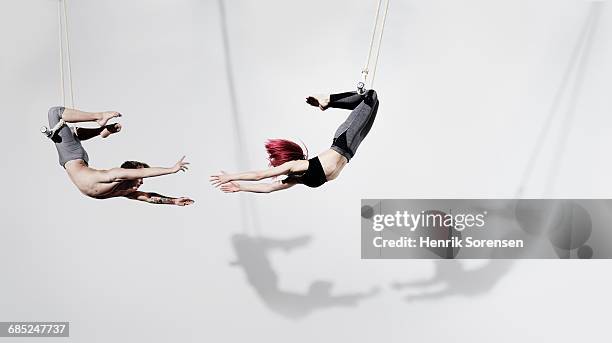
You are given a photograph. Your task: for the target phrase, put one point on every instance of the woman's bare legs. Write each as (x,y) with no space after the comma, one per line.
(84,134)
(320,100)
(75,116)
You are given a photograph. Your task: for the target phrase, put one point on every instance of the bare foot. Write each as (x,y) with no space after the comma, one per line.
(106,116)
(321,101)
(110,129)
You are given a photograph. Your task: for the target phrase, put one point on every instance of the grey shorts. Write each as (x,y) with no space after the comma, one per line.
(68,146)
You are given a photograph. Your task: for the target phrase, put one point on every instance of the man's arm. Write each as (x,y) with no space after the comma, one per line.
(155,198)
(122,174)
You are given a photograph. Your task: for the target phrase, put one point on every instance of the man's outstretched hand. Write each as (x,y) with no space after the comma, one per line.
(181,165)
(182,201)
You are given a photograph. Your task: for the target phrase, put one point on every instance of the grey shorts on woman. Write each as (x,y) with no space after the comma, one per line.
(66,142)
(355,128)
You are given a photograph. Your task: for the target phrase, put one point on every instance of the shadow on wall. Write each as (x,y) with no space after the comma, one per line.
(562,226)
(567,92)
(452,278)
(252,256)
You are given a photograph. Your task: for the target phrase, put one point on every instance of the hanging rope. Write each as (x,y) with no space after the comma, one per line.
(61,51)
(66,33)
(374,51)
(62,19)
(64,39)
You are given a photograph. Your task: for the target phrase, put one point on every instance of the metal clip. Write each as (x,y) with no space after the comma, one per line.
(361,84)
(361,88)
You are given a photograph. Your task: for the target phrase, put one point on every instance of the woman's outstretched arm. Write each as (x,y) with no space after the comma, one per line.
(296,166)
(122,174)
(232,187)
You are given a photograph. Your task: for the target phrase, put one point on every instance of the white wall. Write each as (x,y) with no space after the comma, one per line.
(464,86)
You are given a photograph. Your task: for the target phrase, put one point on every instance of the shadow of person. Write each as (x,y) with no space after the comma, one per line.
(452,278)
(252,256)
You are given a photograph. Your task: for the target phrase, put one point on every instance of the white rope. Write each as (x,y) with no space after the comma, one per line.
(367,65)
(66,32)
(64,38)
(372,64)
(61,51)
(63,34)
(382,29)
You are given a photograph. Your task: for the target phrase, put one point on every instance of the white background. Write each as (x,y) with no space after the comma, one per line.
(465,87)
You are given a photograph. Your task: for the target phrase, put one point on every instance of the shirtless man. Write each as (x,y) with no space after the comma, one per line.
(103,184)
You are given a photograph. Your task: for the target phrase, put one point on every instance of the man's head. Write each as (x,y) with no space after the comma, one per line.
(134,184)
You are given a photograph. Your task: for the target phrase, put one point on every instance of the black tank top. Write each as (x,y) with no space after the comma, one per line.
(313,177)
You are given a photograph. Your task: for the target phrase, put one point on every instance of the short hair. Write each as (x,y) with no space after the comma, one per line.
(282,150)
(134,165)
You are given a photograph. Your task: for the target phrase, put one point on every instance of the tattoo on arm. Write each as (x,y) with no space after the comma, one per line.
(161,200)
(156,198)
(152,198)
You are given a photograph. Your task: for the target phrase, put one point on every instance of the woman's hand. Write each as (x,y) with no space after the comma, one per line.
(219,179)
(181,165)
(182,201)
(230,187)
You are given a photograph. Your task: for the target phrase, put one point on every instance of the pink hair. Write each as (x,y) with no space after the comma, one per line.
(282,150)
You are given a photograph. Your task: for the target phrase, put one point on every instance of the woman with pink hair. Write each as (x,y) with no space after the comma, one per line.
(288,158)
